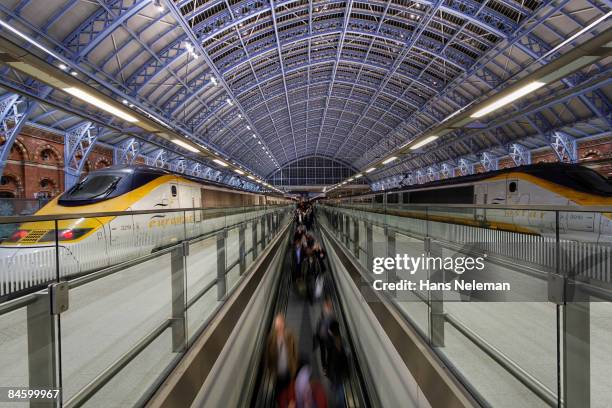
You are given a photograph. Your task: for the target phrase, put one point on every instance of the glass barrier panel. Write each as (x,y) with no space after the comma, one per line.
(248,242)
(585,250)
(413,303)
(213,220)
(14,350)
(232,246)
(112,313)
(201,278)
(233,277)
(485,330)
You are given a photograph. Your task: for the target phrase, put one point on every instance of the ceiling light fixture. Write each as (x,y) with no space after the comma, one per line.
(390,159)
(185,145)
(511,97)
(220,162)
(423,142)
(239,172)
(99,103)
(371,169)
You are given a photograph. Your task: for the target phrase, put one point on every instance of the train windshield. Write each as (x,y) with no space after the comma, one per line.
(92,188)
(590,181)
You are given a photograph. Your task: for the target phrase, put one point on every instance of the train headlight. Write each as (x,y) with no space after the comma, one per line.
(17,235)
(65,234)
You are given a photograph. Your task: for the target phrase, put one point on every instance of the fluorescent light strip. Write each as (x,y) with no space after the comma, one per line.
(30,40)
(99,103)
(185,145)
(239,172)
(390,159)
(579,33)
(511,97)
(358,175)
(423,142)
(371,169)
(220,162)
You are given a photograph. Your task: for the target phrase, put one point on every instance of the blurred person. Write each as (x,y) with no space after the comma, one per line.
(310,240)
(304,391)
(281,352)
(297,258)
(337,366)
(322,334)
(310,271)
(319,255)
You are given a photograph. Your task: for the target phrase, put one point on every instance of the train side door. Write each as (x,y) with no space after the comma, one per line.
(174,197)
(516,195)
(480,198)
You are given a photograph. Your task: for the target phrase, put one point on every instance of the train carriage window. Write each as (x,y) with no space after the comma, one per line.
(392,198)
(405,198)
(173,190)
(512,186)
(378,198)
(93,187)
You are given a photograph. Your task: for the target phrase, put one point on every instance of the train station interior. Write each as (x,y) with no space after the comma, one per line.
(306,203)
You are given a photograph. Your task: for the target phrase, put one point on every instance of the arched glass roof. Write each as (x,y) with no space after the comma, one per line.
(265,83)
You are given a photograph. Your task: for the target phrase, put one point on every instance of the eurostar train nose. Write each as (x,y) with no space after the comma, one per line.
(24,267)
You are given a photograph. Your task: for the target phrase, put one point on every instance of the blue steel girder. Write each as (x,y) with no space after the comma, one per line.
(205,56)
(531,45)
(519,154)
(11,122)
(292,36)
(280,61)
(176,44)
(489,161)
(424,22)
(427,83)
(126,152)
(178,165)
(78,143)
(464,9)
(466,167)
(157,158)
(13,119)
(106,16)
(447,170)
(564,146)
(102,23)
(201,118)
(433,173)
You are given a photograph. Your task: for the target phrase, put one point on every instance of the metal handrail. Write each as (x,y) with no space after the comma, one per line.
(9,306)
(552,208)
(111,371)
(539,389)
(53,217)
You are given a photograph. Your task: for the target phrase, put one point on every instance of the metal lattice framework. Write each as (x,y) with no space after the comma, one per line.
(266,84)
(311,171)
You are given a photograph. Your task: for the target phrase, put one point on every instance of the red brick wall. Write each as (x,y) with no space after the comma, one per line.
(36,164)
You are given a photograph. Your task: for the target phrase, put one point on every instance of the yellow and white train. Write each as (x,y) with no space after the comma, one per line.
(27,256)
(540,185)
